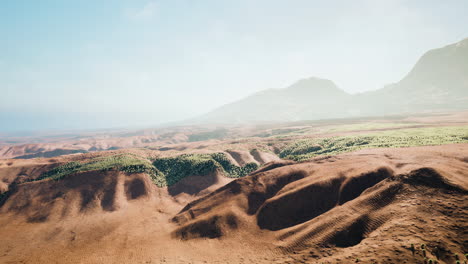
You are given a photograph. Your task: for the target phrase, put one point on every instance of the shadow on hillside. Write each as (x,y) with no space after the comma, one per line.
(193,185)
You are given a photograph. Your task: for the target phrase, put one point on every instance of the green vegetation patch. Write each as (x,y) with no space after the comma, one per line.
(163,171)
(327,129)
(366,126)
(202,136)
(176,168)
(122,162)
(308,148)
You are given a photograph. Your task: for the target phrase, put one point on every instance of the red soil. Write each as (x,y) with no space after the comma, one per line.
(371,205)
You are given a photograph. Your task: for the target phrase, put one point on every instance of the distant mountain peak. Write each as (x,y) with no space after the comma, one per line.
(313,86)
(438,81)
(312,82)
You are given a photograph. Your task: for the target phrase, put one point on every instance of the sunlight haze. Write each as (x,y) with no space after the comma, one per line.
(97,64)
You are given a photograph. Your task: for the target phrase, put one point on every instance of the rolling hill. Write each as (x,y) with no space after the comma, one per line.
(326,210)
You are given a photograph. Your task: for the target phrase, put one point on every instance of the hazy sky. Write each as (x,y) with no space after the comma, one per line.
(102,63)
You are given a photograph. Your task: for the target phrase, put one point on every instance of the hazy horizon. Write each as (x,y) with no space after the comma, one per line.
(97,64)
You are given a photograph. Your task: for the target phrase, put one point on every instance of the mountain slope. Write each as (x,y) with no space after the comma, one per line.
(305,99)
(438,81)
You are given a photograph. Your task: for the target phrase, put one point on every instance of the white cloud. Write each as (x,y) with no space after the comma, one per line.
(144,13)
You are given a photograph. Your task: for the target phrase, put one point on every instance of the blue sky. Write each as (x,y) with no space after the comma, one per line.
(101,63)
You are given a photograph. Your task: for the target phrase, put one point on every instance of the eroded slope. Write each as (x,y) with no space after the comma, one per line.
(370,205)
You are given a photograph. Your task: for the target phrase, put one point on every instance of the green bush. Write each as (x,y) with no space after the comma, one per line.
(61,171)
(176,168)
(215,134)
(163,171)
(308,148)
(122,162)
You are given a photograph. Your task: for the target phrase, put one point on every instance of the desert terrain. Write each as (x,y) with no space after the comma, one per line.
(387,190)
(226,132)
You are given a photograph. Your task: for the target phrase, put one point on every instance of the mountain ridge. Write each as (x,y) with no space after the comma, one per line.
(437,81)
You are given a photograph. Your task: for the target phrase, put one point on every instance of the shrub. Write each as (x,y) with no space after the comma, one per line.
(215,134)
(176,168)
(163,171)
(61,171)
(122,162)
(308,148)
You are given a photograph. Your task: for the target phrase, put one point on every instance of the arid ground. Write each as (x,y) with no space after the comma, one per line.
(369,191)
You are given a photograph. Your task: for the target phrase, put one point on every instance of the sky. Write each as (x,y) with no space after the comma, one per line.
(99,63)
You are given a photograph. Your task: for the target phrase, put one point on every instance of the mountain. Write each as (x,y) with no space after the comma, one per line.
(438,81)
(306,99)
